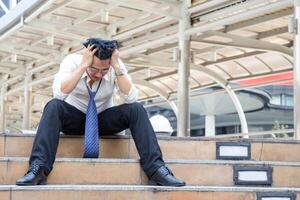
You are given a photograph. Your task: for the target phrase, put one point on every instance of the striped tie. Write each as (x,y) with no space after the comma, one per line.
(91,137)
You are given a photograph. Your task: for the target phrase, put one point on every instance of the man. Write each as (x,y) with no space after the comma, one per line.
(99,71)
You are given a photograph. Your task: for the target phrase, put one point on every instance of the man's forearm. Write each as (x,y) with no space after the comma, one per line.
(124,84)
(70,82)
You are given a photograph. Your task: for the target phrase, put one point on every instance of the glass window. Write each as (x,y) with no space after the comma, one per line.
(267,107)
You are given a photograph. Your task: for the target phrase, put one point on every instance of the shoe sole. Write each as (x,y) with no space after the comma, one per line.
(158,184)
(30,184)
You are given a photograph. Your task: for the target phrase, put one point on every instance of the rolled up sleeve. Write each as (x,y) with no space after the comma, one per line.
(66,67)
(56,87)
(131,97)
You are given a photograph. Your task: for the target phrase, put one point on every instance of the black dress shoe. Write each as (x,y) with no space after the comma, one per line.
(164,177)
(35,176)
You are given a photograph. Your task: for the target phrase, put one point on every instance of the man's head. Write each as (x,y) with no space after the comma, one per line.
(105,47)
(101,60)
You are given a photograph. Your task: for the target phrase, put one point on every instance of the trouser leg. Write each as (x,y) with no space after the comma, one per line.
(57,116)
(134,116)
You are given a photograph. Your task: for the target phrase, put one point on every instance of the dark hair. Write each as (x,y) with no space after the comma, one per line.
(105,47)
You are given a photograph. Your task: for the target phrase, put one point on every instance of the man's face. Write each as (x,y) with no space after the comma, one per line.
(98,69)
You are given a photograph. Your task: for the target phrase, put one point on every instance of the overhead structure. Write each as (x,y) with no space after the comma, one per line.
(296,32)
(234,39)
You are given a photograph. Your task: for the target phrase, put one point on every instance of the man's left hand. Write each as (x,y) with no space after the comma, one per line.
(114,61)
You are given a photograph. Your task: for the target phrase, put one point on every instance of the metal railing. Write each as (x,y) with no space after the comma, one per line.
(272,134)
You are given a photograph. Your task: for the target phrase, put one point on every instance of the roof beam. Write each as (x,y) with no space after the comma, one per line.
(226,9)
(123,22)
(253,12)
(173,12)
(206,5)
(113,28)
(53,26)
(142,28)
(205,26)
(170,3)
(243,42)
(13,45)
(272,33)
(259,20)
(262,35)
(94,13)
(28,54)
(44,27)
(20,87)
(34,70)
(12,72)
(57,6)
(11,64)
(206,64)
(147,84)
(156,35)
(10,19)
(157,61)
(162,48)
(231,58)
(125,52)
(3,6)
(63,26)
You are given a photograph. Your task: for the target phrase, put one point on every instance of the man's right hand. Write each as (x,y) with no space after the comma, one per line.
(88,56)
(70,82)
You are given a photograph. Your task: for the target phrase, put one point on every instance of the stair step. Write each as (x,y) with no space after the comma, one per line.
(128,171)
(19,145)
(113,192)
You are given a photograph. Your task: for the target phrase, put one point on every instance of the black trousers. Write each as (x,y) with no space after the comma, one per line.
(60,116)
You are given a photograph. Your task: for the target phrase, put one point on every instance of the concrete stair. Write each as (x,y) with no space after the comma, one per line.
(111,171)
(117,174)
(19,145)
(133,192)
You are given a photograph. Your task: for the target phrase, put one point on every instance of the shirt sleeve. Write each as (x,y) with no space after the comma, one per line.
(66,67)
(133,93)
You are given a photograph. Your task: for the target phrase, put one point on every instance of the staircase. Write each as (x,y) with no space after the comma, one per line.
(213,169)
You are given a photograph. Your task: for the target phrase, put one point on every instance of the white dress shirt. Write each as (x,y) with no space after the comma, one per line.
(79,97)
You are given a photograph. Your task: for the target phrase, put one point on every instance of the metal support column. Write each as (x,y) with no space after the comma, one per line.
(296,68)
(183,120)
(27,101)
(2,108)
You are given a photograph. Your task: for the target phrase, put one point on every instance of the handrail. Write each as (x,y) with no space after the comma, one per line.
(255,134)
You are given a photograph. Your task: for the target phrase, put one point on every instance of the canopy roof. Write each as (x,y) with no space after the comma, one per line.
(235,39)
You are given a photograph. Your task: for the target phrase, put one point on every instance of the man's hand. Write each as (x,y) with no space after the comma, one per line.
(114,62)
(124,83)
(88,56)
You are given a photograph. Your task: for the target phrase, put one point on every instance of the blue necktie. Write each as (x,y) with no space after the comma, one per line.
(91,137)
